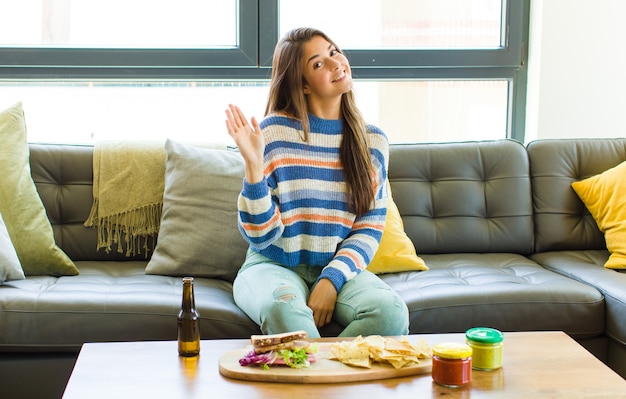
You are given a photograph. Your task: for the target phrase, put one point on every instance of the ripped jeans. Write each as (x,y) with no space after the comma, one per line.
(275,297)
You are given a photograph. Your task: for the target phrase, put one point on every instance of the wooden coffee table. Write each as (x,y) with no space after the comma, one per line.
(536,365)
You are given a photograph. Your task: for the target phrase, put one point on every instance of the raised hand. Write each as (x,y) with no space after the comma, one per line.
(249,139)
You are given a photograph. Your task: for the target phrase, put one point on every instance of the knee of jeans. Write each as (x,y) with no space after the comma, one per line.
(286,305)
(395,315)
(284,294)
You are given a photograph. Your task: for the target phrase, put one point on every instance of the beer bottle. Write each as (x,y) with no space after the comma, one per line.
(188,323)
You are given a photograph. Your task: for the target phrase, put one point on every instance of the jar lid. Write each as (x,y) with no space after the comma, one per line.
(484,335)
(452,350)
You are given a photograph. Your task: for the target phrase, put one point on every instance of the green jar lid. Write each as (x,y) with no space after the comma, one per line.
(484,335)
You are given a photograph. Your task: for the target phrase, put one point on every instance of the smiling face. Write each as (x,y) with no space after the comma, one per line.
(326,72)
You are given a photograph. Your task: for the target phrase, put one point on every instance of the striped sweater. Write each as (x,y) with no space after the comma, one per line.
(299,214)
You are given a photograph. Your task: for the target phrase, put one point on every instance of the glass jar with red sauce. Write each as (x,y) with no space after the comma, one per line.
(452,364)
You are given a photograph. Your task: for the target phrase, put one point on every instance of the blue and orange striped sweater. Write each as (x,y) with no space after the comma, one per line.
(299,213)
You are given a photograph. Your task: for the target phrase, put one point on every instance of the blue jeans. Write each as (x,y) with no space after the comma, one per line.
(275,297)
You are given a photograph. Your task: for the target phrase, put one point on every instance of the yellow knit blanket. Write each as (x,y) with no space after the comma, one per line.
(128,184)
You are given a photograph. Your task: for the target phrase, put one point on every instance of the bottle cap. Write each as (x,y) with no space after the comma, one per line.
(452,350)
(484,335)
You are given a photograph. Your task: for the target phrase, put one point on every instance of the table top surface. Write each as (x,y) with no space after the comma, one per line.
(536,365)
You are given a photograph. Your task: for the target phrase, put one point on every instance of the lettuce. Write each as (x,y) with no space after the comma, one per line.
(295,358)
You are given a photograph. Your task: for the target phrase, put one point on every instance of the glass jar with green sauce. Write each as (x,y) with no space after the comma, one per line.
(487,347)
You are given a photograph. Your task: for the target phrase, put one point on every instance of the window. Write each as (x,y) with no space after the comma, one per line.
(119,23)
(404,24)
(424,70)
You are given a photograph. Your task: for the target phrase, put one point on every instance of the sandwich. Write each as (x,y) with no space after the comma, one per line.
(286,349)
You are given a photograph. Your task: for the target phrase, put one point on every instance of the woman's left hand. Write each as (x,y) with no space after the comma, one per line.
(322,302)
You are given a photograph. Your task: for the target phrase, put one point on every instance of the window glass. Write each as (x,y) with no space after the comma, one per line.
(408,111)
(358,24)
(119,23)
(87,112)
(436,111)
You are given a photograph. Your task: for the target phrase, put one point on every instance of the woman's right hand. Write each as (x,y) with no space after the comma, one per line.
(249,139)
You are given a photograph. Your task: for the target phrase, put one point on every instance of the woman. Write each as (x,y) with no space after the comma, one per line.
(314,198)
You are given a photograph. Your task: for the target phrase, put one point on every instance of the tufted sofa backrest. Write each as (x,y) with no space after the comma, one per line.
(453,197)
(562,221)
(464,197)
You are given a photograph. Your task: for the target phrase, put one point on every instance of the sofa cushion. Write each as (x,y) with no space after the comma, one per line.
(111,301)
(10,267)
(604,195)
(396,252)
(21,207)
(199,235)
(463,197)
(587,267)
(562,222)
(505,291)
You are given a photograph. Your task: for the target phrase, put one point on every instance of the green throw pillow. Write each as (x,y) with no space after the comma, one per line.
(20,205)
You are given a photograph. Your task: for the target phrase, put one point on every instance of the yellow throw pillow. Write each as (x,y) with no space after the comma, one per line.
(604,195)
(396,252)
(21,207)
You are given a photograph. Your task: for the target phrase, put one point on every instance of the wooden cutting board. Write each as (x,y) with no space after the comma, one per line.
(322,370)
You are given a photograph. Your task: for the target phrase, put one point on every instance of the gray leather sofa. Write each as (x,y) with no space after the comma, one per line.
(508,243)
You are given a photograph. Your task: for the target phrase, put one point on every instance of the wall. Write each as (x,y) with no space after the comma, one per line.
(576,69)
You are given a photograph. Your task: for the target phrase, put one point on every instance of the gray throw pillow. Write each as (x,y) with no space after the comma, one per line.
(199,235)
(10,267)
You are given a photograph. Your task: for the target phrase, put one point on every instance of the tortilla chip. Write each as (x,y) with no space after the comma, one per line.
(422,349)
(351,353)
(396,346)
(361,351)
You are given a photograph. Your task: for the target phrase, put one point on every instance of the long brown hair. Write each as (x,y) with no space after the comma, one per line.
(286,95)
